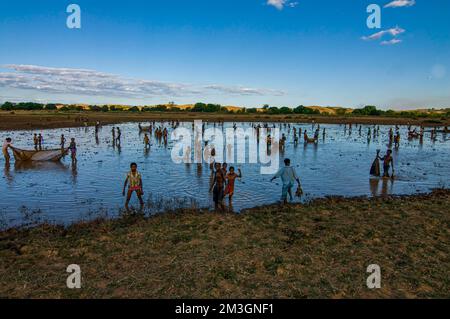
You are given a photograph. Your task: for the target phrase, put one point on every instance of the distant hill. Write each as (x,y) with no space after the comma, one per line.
(189,106)
(329,110)
(332,110)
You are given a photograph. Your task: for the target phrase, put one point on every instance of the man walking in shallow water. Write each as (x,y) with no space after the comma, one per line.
(288,177)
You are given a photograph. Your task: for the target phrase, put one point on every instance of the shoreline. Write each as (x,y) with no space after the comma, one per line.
(315,250)
(208,210)
(35,120)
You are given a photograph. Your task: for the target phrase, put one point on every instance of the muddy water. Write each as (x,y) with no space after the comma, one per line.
(338,165)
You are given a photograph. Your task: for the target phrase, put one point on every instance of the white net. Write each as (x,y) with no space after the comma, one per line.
(39,155)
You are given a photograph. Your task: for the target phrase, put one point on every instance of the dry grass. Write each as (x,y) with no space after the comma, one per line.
(317,250)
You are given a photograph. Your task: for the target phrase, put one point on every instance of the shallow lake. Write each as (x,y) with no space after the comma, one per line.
(338,165)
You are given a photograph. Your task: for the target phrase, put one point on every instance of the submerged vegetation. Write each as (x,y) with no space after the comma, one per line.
(321,249)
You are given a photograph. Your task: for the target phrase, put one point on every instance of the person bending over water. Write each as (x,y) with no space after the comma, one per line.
(288,177)
(134,181)
(231,178)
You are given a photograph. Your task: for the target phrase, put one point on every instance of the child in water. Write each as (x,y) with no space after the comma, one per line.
(73,149)
(134,181)
(231,178)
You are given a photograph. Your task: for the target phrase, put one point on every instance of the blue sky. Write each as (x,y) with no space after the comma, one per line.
(233,52)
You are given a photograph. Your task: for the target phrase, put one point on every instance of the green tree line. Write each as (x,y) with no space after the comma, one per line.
(200,107)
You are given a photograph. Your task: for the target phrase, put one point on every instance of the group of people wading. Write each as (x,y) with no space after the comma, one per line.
(223,178)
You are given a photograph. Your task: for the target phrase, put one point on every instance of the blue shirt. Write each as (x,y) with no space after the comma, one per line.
(287,174)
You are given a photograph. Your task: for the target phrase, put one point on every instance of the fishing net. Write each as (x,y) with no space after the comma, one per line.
(38,155)
(145,128)
(375,169)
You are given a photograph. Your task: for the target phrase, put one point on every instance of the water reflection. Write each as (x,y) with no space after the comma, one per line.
(7,172)
(41,166)
(74,172)
(387,185)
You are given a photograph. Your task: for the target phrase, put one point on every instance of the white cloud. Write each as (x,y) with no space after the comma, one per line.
(280,4)
(400,3)
(393,32)
(391,42)
(242,90)
(95,83)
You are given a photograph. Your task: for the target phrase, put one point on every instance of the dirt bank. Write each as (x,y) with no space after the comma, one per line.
(27,120)
(304,251)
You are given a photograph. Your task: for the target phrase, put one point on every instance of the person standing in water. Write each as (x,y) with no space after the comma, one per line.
(282,142)
(119,134)
(146,141)
(6,144)
(388,161)
(63,141)
(288,177)
(231,178)
(40,140)
(97,127)
(35,141)
(225,169)
(217,187)
(134,181)
(73,149)
(316,133)
(397,140)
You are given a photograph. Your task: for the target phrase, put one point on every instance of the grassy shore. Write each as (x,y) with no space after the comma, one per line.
(32,120)
(321,249)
